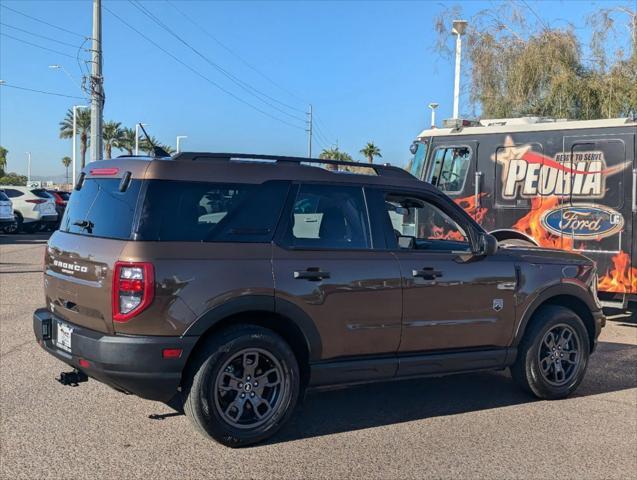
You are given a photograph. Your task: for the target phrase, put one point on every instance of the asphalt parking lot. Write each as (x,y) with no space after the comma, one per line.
(466,426)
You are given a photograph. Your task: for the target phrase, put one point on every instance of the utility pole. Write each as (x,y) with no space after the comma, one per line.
(309,132)
(97,90)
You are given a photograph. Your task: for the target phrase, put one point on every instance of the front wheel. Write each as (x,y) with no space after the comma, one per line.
(553,355)
(243,386)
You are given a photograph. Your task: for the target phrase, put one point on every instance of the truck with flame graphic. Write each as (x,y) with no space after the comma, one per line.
(542,182)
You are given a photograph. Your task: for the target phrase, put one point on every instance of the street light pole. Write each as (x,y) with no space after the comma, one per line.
(179,137)
(459,27)
(28,167)
(137,125)
(75,107)
(433,107)
(61,67)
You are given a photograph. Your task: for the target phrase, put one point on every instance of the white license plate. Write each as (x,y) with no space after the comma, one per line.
(63,338)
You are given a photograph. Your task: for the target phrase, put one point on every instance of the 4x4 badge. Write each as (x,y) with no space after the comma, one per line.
(498,303)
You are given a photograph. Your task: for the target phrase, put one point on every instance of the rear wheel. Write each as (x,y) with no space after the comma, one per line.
(553,355)
(243,386)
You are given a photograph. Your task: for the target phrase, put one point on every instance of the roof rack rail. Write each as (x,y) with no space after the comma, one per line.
(384,170)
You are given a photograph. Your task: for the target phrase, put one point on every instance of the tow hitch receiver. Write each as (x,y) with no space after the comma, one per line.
(73,378)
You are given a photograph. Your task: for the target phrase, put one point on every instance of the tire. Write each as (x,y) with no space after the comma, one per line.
(528,371)
(31,227)
(225,361)
(516,242)
(17,227)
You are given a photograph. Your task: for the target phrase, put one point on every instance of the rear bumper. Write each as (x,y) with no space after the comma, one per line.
(6,221)
(132,364)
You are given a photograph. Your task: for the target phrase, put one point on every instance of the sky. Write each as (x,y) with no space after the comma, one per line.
(367,67)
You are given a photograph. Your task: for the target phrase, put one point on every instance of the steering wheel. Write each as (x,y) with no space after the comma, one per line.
(449,176)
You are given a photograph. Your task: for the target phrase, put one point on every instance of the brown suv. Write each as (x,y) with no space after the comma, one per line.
(237,281)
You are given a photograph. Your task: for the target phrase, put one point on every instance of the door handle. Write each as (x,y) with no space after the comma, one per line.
(313,274)
(428,273)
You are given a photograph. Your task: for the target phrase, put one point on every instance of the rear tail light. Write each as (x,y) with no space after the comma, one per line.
(38,201)
(133,289)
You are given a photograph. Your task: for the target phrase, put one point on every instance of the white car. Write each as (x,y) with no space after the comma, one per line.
(7,219)
(34,208)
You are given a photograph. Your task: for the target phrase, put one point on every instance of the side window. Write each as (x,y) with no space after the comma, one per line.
(449,168)
(211,212)
(421,225)
(13,193)
(329,216)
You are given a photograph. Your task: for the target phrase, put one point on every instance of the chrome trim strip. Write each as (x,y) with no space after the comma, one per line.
(375,326)
(446,323)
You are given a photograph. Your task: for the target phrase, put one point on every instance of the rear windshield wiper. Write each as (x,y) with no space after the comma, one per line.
(85,225)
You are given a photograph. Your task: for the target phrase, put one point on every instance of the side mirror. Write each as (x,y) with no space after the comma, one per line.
(487,245)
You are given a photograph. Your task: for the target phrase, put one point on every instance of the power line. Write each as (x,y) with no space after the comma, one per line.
(241,59)
(38,35)
(4,84)
(42,21)
(36,45)
(199,74)
(240,83)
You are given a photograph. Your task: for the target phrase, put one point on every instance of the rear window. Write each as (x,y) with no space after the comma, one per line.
(41,193)
(210,212)
(99,209)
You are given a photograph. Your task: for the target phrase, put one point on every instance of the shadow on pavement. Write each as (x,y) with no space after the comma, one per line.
(24,238)
(611,368)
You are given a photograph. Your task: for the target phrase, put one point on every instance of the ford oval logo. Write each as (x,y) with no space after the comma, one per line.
(583,221)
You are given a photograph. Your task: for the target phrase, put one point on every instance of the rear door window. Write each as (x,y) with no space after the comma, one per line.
(210,212)
(13,193)
(328,216)
(99,209)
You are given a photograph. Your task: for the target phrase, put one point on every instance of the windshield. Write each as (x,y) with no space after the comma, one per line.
(417,163)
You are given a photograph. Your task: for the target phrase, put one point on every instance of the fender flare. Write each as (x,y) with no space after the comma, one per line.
(264,303)
(546,294)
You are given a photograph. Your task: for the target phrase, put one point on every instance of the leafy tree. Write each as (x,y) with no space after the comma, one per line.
(370,151)
(83,129)
(13,179)
(3,160)
(66,161)
(112,137)
(515,66)
(127,140)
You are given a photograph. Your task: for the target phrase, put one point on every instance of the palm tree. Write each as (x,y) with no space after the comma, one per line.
(3,160)
(112,136)
(334,154)
(83,128)
(145,146)
(127,142)
(370,151)
(66,161)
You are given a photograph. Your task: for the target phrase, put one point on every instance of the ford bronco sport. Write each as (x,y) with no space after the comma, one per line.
(235,282)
